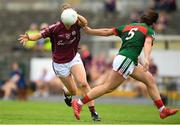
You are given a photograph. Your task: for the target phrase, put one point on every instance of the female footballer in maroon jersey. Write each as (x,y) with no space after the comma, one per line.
(66,59)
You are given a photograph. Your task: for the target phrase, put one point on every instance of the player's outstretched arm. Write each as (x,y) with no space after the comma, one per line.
(99,32)
(147,52)
(25,38)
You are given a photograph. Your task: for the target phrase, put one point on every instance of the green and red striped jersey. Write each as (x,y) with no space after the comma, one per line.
(133,38)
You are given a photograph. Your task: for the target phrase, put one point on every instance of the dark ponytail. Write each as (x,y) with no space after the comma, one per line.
(149,18)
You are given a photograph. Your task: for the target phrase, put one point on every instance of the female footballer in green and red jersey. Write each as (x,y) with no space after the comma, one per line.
(135,37)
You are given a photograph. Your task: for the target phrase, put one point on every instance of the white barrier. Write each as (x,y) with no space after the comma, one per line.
(37,66)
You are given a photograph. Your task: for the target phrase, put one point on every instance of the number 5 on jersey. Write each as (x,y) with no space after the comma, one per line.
(131,33)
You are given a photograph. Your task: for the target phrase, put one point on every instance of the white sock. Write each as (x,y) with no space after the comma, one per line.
(80,102)
(161,109)
(65,90)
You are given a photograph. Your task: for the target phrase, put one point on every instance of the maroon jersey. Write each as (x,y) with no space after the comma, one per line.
(64,42)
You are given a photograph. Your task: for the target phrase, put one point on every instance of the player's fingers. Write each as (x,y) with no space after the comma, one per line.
(21,42)
(20,39)
(24,36)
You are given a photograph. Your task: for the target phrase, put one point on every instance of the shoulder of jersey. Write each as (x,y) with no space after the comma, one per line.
(134,23)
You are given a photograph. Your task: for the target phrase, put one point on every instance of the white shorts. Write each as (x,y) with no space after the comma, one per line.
(123,65)
(63,70)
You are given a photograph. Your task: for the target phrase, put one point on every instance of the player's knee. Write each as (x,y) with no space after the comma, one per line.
(84,84)
(73,92)
(109,91)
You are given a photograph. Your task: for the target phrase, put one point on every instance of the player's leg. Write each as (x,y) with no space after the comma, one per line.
(145,77)
(7,88)
(79,73)
(122,67)
(113,81)
(69,87)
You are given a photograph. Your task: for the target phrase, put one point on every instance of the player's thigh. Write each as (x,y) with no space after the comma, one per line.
(114,79)
(122,68)
(77,69)
(63,72)
(142,76)
(69,83)
(79,73)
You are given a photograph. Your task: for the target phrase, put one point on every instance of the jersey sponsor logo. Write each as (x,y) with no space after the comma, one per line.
(65,42)
(60,43)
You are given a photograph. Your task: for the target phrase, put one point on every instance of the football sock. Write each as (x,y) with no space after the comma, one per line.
(85,99)
(92,109)
(159,104)
(66,91)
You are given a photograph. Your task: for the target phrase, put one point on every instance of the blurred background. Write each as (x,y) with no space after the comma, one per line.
(26,72)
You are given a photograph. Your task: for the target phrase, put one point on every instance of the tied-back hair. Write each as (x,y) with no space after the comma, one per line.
(64,6)
(149,18)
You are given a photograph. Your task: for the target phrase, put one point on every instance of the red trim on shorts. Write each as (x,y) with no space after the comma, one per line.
(142,29)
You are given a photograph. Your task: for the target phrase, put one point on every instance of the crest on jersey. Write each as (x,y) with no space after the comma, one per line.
(68,36)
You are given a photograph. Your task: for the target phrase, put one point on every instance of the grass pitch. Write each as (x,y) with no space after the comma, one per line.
(42,112)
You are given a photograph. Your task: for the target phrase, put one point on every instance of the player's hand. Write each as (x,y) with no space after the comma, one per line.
(82,22)
(23,38)
(146,65)
(86,28)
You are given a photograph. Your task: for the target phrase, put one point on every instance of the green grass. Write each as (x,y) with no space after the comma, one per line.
(38,112)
